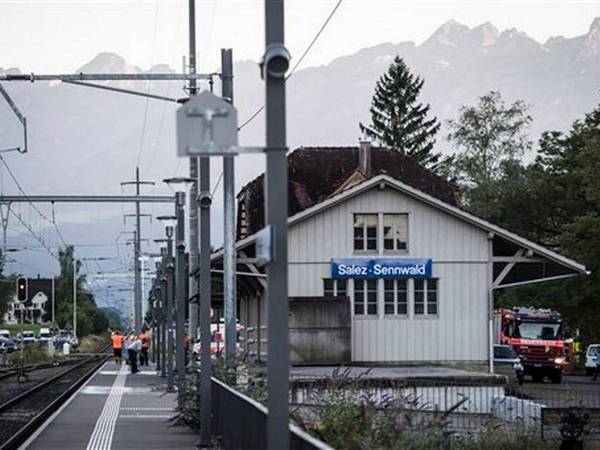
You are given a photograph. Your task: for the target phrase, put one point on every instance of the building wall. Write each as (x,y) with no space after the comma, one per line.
(460,254)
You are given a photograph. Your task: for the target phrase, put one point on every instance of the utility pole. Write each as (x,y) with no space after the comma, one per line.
(74,295)
(157,317)
(200,196)
(275,65)
(193,90)
(53,301)
(229,253)
(180,286)
(163,301)
(169,316)
(4,216)
(137,288)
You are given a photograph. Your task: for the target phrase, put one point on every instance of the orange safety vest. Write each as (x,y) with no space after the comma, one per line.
(145,340)
(117,340)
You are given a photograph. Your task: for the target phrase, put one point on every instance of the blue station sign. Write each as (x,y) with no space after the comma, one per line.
(380,268)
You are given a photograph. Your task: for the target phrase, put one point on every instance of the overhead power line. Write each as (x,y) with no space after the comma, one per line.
(304,53)
(35,208)
(310,46)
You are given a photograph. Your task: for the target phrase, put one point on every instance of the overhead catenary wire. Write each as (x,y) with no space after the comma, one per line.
(302,56)
(141,145)
(35,208)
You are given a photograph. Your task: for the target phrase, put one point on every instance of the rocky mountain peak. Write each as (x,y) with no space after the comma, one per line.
(486,34)
(107,62)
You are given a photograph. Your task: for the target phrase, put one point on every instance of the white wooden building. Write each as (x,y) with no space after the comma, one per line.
(441,317)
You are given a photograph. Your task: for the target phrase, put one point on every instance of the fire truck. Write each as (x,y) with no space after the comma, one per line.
(537,337)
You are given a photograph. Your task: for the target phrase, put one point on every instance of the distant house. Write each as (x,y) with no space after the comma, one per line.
(39,292)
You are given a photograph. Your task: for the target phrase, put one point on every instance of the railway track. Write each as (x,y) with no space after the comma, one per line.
(24,413)
(14,371)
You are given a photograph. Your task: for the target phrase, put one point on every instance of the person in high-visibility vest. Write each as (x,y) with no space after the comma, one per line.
(145,346)
(117,344)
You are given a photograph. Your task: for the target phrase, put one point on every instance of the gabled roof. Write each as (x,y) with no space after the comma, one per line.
(434,202)
(317,173)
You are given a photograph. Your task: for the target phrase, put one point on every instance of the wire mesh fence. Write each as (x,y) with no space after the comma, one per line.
(461,406)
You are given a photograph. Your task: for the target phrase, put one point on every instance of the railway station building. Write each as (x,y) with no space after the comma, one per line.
(384,267)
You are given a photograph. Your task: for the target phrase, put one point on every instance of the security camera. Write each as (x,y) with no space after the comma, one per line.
(205,200)
(275,62)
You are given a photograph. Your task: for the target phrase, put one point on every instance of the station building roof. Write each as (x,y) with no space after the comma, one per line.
(516,260)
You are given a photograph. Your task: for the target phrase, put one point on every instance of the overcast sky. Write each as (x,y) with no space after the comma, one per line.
(60,36)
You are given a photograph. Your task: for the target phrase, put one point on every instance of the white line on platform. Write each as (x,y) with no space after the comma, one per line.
(104,430)
(145,408)
(144,416)
(50,419)
(141,372)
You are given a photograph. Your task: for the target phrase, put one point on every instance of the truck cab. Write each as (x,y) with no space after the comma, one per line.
(536,336)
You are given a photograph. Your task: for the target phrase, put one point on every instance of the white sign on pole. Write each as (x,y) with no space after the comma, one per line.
(206,126)
(264,246)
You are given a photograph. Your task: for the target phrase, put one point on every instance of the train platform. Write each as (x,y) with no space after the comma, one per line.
(116,410)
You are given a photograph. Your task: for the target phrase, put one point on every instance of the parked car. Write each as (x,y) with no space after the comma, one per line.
(7,345)
(592,358)
(5,334)
(44,336)
(27,338)
(507,362)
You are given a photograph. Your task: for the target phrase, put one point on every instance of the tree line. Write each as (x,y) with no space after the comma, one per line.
(553,200)
(90,318)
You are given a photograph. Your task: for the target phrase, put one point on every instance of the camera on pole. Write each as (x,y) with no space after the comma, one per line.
(22,289)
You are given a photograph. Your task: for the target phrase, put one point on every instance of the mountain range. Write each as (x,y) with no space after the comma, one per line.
(83,140)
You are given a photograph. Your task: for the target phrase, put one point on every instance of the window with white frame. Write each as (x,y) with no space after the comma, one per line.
(365,297)
(334,288)
(395,232)
(426,297)
(365,232)
(395,297)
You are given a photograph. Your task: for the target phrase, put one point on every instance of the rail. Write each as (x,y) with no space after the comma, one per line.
(33,408)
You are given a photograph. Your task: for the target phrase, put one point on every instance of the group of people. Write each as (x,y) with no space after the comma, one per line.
(131,346)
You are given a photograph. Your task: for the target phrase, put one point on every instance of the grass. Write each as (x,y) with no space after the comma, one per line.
(16,329)
(92,343)
(32,355)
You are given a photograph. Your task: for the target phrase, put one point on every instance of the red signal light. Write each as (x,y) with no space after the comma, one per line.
(22,289)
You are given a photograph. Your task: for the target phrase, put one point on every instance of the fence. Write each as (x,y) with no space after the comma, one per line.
(256,342)
(241,423)
(463,406)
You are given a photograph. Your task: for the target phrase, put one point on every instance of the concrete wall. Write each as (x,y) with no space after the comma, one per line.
(319,331)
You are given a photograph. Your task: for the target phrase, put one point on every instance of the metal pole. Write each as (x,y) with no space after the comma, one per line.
(169,317)
(193,90)
(153,327)
(74,296)
(137,289)
(163,310)
(180,283)
(229,253)
(276,211)
(53,301)
(205,300)
(157,315)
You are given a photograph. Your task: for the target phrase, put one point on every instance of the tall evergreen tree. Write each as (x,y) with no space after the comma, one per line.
(398,120)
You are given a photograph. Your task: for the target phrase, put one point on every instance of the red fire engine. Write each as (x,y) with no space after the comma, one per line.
(537,337)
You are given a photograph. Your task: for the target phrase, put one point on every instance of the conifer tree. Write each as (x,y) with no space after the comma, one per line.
(398,119)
